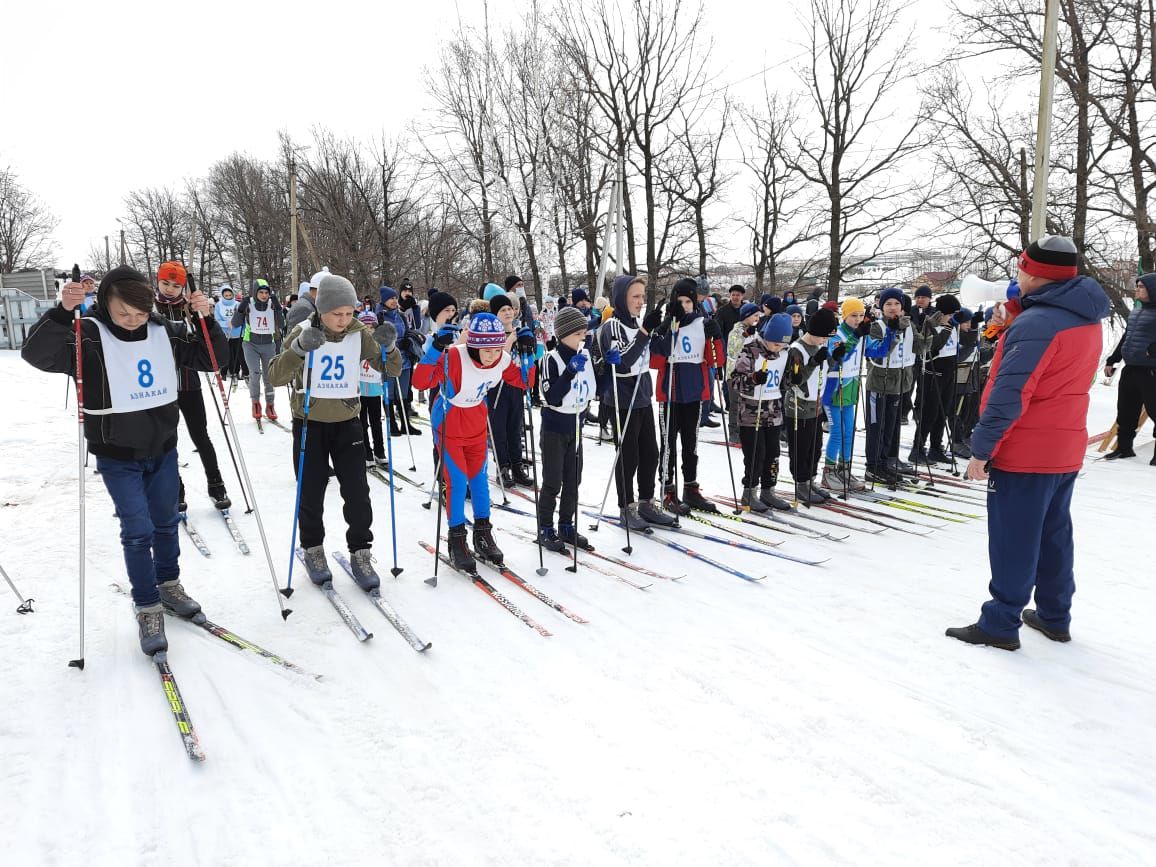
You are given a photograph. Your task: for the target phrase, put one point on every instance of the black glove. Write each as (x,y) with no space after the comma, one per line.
(386,336)
(760,377)
(864,328)
(527,344)
(551,345)
(446,335)
(840,353)
(712,330)
(653,317)
(820,356)
(1152,349)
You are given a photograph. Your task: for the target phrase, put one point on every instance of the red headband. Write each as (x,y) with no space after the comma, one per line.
(1048,272)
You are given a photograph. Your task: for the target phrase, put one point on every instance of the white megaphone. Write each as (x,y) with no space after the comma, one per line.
(975,292)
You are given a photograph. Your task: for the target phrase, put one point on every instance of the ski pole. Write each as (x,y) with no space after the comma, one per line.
(541,570)
(285,612)
(229,443)
(667,471)
(25,606)
(577,473)
(396,570)
(855,411)
(756,470)
(408,425)
(724,414)
(441,462)
(288,591)
(79,340)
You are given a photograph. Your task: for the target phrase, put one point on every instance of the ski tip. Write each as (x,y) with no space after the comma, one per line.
(432,582)
(286,592)
(395,571)
(364,638)
(76,663)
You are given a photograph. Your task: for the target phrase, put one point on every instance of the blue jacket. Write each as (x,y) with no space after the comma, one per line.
(223,313)
(398,320)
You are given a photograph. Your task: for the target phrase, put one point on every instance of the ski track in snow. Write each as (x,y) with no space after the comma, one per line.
(818,717)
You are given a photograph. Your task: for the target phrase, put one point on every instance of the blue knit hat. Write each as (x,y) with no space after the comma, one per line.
(579,294)
(765,301)
(492,290)
(792,309)
(923,291)
(748,309)
(386,293)
(777,329)
(486,331)
(891,293)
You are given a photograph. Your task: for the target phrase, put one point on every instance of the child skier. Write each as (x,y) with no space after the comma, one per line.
(173,305)
(568,387)
(372,390)
(841,396)
(464,374)
(804,374)
(264,321)
(684,351)
(338,344)
(757,383)
(131,362)
(507,399)
(223,313)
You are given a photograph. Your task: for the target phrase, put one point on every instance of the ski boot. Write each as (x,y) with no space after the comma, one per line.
(632,518)
(218,495)
(570,535)
(316,566)
(370,463)
(692,498)
(1121,451)
(853,483)
(176,600)
(652,513)
(505,477)
(257,413)
(974,635)
(832,477)
(550,541)
(1032,619)
(807,494)
(410,411)
(363,572)
(672,503)
(270,413)
(882,475)
(768,499)
(937,455)
(751,501)
(460,554)
(484,544)
(519,474)
(901,468)
(381,462)
(151,624)
(917,455)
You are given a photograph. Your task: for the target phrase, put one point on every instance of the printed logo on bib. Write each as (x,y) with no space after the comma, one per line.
(336,367)
(141,374)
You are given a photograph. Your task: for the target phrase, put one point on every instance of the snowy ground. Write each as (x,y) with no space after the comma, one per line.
(817,717)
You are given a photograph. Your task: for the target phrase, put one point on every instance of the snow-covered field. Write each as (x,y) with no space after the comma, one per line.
(816,717)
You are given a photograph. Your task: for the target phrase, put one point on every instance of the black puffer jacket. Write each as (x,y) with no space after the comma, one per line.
(51,347)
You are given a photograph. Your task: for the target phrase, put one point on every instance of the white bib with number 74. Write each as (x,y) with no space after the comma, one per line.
(261,321)
(337,368)
(141,374)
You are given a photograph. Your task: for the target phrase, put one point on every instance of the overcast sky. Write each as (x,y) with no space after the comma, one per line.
(103,98)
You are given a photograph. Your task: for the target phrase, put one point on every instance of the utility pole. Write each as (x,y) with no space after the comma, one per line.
(107,256)
(293,270)
(1044,120)
(123,256)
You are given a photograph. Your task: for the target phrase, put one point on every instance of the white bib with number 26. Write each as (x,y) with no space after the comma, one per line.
(141,374)
(337,368)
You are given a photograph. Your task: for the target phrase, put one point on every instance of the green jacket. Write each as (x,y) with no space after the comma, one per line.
(882,376)
(288,368)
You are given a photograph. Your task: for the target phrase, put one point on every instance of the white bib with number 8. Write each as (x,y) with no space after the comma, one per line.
(141,374)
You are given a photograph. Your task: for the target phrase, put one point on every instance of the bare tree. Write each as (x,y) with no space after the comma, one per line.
(785,214)
(26,226)
(854,72)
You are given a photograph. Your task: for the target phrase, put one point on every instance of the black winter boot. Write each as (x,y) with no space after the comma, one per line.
(219,496)
(974,635)
(460,554)
(485,546)
(692,498)
(550,541)
(505,476)
(571,536)
(672,503)
(519,474)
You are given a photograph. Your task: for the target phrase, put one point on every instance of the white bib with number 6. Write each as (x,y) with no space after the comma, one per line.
(688,343)
(336,367)
(141,374)
(261,321)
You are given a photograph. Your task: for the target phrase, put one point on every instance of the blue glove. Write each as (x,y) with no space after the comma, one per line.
(446,335)
(527,343)
(613,356)
(577,363)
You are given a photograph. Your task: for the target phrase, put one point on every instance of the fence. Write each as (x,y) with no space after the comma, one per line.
(19,311)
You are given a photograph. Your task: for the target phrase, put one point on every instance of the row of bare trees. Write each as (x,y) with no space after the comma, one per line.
(856,152)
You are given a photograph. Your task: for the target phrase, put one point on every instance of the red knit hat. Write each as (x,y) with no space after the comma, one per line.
(1052,257)
(174,272)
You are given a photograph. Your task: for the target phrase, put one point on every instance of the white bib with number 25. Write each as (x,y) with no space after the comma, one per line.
(337,368)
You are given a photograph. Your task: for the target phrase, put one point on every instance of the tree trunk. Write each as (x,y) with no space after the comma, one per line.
(700,228)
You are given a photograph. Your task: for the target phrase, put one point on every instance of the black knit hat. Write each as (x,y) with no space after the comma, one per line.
(512,281)
(438,302)
(923,291)
(822,323)
(684,288)
(498,302)
(1052,257)
(947,304)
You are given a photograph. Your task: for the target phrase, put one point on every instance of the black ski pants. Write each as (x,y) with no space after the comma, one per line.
(680,424)
(505,403)
(192,406)
(237,368)
(760,455)
(638,456)
(1137,389)
(561,475)
(803,445)
(937,395)
(343,443)
(882,428)
(371,423)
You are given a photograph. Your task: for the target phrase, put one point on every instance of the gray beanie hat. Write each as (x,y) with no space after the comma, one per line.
(334,291)
(569,320)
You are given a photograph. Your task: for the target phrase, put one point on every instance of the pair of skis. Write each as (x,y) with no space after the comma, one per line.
(199,541)
(350,619)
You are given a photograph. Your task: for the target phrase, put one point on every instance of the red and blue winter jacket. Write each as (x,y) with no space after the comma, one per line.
(1034,412)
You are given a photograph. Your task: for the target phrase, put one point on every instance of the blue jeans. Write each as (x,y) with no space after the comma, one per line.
(841,432)
(145,496)
(1029,531)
